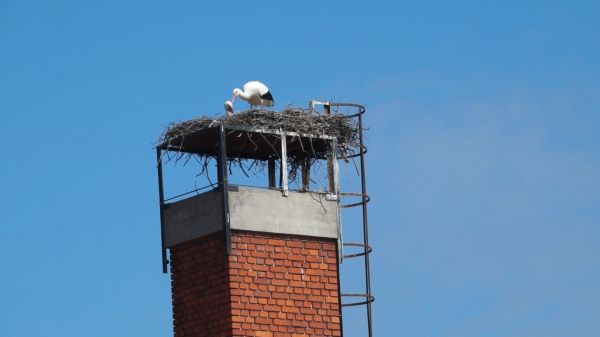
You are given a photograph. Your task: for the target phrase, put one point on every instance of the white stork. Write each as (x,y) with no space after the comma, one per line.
(254,93)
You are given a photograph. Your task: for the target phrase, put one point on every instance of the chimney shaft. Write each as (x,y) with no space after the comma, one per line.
(271,285)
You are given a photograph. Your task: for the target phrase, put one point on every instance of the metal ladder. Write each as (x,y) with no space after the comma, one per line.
(366,298)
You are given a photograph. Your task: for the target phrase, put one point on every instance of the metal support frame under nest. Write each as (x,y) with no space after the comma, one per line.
(284,170)
(224,186)
(161,203)
(223,181)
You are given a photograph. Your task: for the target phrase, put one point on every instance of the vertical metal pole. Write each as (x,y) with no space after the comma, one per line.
(284,169)
(305,173)
(271,169)
(161,200)
(332,167)
(330,157)
(280,175)
(223,183)
(334,182)
(335,166)
(365,224)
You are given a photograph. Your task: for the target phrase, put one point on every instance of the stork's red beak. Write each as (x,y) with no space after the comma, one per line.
(233,98)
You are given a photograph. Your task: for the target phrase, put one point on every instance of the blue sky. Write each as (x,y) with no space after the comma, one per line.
(483,164)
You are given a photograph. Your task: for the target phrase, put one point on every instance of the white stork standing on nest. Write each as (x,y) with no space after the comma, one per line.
(254,93)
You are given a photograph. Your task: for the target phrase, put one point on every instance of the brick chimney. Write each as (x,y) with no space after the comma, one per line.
(271,285)
(262,261)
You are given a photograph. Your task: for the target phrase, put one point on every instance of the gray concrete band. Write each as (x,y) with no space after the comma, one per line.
(252,209)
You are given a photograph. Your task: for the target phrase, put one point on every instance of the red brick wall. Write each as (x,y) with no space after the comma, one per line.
(200,288)
(270,286)
(283,285)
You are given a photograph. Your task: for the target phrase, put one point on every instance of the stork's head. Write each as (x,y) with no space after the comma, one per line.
(229,108)
(236,93)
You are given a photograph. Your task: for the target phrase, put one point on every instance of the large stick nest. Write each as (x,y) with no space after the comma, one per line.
(305,122)
(299,120)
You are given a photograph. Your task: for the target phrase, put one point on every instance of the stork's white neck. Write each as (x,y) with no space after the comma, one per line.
(241,93)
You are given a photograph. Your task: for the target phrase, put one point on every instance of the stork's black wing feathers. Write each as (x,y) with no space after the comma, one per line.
(268,96)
